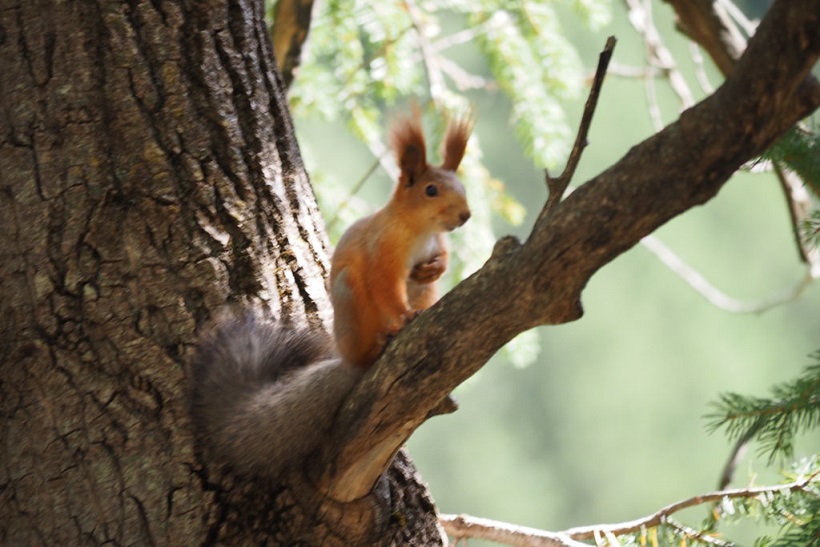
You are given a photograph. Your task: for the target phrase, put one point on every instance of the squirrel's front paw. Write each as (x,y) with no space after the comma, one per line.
(385,338)
(427,272)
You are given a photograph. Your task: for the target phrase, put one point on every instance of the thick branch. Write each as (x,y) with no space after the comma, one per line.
(540,282)
(709,24)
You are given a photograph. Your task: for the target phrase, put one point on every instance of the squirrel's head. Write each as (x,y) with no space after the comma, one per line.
(431,195)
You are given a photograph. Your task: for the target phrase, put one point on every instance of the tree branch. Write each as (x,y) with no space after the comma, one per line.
(657,54)
(540,281)
(558,186)
(659,517)
(464,526)
(715,296)
(467,527)
(799,205)
(291,23)
(710,25)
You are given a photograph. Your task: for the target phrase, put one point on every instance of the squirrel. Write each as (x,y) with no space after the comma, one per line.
(384,268)
(252,379)
(264,395)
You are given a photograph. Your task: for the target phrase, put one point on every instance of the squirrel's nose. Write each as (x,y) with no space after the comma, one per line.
(464,216)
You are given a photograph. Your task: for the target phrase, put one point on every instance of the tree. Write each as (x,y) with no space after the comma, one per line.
(150,174)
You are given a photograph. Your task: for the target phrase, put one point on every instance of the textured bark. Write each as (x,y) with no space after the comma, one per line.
(149,174)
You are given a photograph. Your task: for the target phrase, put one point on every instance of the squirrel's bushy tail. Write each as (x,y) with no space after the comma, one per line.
(264,395)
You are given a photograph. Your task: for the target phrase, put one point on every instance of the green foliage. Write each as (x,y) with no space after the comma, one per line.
(794,510)
(811,229)
(793,408)
(364,58)
(799,151)
(793,506)
(594,13)
(536,66)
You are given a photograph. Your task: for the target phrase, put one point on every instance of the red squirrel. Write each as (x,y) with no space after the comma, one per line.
(263,395)
(385,266)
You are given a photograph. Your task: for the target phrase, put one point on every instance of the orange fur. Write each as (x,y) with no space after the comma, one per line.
(455,143)
(385,266)
(407,139)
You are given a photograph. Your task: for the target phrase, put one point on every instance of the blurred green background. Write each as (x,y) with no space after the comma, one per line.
(607,424)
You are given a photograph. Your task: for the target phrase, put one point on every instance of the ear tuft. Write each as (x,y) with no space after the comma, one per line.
(408,144)
(455,142)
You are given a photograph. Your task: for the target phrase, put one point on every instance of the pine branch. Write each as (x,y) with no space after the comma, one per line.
(811,229)
(794,407)
(799,152)
(806,532)
(661,516)
(465,526)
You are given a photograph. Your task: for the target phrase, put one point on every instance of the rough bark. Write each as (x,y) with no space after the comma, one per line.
(149,175)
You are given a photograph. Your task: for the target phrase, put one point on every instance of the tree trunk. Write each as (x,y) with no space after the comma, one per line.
(150,175)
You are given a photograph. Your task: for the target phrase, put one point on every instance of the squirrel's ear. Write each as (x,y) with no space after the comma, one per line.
(408,143)
(455,142)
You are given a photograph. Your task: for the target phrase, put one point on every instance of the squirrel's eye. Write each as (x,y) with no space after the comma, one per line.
(431,190)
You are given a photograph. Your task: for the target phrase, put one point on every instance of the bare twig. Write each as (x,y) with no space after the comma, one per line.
(661,516)
(435,79)
(738,16)
(712,294)
(463,79)
(557,186)
(640,16)
(738,451)
(353,191)
(626,71)
(799,205)
(465,526)
(709,24)
(700,71)
(463,36)
(652,103)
